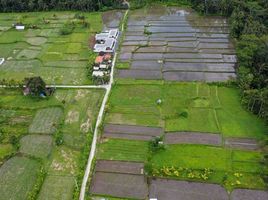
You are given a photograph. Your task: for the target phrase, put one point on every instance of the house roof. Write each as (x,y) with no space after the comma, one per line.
(99,59)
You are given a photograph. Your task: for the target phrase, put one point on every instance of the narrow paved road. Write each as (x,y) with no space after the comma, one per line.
(99,120)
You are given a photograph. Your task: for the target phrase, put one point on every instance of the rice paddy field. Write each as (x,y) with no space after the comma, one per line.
(43,50)
(43,142)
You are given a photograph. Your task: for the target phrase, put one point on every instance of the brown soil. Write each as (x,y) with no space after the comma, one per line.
(163,189)
(193,138)
(119,167)
(119,185)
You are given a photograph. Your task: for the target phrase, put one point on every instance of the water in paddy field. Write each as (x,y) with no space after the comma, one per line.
(112,19)
(186,46)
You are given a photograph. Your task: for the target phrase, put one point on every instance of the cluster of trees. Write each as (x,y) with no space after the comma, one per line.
(44,5)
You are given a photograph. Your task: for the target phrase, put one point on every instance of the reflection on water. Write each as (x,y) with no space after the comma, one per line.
(111,19)
(196,47)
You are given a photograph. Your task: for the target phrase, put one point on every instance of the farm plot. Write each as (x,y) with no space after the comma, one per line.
(244,194)
(131,132)
(46,51)
(170,189)
(231,168)
(119,185)
(193,138)
(182,45)
(36,145)
(57,187)
(46,120)
(194,107)
(63,164)
(124,150)
(18,176)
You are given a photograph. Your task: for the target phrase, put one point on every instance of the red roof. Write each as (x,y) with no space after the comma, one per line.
(99,59)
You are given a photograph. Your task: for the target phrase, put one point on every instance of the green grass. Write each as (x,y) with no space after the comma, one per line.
(20,114)
(185,107)
(5,150)
(64,161)
(235,121)
(36,145)
(57,187)
(46,120)
(54,50)
(121,65)
(18,176)
(129,150)
(224,163)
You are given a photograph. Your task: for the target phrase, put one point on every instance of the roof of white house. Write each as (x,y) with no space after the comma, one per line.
(20,27)
(2,60)
(107,46)
(113,33)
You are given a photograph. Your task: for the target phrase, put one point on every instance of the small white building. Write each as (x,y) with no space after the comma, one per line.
(2,60)
(20,27)
(98,73)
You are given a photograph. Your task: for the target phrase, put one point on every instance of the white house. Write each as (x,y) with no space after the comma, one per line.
(103,36)
(108,46)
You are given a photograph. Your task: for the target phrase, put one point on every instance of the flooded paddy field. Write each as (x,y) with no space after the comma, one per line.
(173,44)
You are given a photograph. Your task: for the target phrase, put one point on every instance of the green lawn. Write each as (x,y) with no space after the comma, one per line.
(128,150)
(43,51)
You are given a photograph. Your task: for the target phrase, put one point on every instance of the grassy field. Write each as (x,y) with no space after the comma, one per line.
(15,173)
(30,128)
(117,149)
(43,50)
(231,168)
(185,107)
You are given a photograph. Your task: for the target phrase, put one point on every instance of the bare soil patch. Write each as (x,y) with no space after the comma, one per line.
(242,143)
(193,138)
(135,130)
(164,189)
(119,185)
(244,194)
(119,167)
(140,74)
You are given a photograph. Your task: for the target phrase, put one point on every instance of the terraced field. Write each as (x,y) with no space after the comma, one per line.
(168,43)
(166,138)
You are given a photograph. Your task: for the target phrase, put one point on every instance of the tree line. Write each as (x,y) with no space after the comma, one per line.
(46,5)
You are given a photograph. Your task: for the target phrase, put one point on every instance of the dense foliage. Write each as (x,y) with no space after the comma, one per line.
(41,5)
